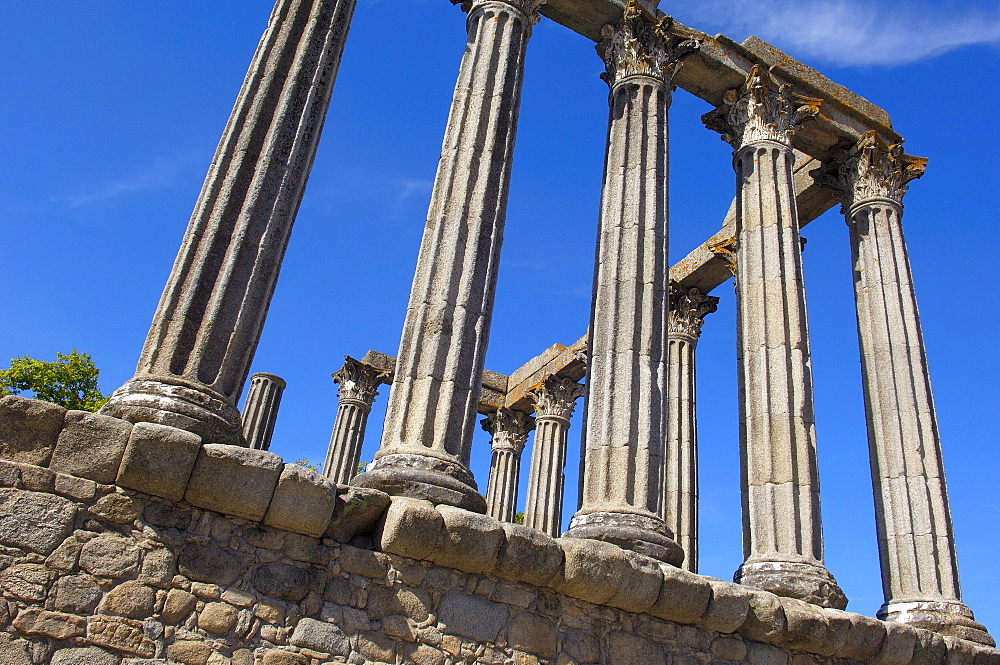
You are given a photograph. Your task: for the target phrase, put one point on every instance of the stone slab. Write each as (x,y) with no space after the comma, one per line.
(234,480)
(528,555)
(158,460)
(409,528)
(469,541)
(321,636)
(303,501)
(357,511)
(28,429)
(34,521)
(684,596)
(593,569)
(91,446)
(473,617)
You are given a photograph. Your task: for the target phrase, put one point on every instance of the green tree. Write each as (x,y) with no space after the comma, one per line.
(69,381)
(309,464)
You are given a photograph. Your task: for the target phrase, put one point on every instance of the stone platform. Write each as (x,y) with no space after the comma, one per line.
(127,544)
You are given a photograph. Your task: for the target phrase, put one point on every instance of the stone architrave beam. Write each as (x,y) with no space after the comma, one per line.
(705,269)
(494,384)
(722,64)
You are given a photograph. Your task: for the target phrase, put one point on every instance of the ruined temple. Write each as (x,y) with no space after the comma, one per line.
(162,529)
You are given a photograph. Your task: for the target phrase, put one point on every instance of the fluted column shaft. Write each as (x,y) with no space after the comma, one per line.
(210,316)
(782,529)
(915,536)
(261,409)
(627,375)
(554,403)
(358,384)
(432,405)
(509,431)
(688,307)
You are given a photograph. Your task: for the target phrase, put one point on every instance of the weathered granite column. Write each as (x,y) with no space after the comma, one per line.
(432,405)
(261,409)
(915,537)
(358,385)
(627,378)
(509,431)
(688,309)
(207,325)
(782,528)
(554,404)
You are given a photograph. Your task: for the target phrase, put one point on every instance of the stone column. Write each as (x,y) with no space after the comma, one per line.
(915,537)
(261,409)
(358,385)
(433,402)
(627,380)
(688,309)
(782,529)
(554,404)
(509,430)
(207,325)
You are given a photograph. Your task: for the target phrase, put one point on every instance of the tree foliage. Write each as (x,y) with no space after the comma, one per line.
(309,464)
(69,381)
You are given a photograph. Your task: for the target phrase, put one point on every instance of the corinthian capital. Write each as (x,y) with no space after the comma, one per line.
(527,7)
(557,397)
(761,110)
(688,309)
(358,382)
(873,169)
(643,45)
(509,429)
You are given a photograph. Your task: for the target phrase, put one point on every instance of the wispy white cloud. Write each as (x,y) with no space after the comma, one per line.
(407,188)
(162,172)
(850,33)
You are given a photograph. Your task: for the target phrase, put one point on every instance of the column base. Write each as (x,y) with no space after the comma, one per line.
(423,477)
(642,533)
(198,410)
(941,616)
(805,579)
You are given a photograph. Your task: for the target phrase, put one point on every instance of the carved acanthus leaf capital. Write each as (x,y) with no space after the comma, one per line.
(557,397)
(873,169)
(527,7)
(642,45)
(761,110)
(509,429)
(688,309)
(358,382)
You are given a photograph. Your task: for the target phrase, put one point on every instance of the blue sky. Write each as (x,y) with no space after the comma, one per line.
(111,112)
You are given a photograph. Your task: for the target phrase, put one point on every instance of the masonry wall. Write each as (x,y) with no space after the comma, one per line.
(124,544)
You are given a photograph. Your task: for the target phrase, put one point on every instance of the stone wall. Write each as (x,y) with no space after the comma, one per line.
(127,544)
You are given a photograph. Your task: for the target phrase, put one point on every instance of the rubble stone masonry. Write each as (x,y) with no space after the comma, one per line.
(139,544)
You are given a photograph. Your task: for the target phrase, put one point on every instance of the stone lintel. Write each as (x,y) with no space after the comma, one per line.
(494,383)
(563,361)
(381,362)
(705,270)
(721,64)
